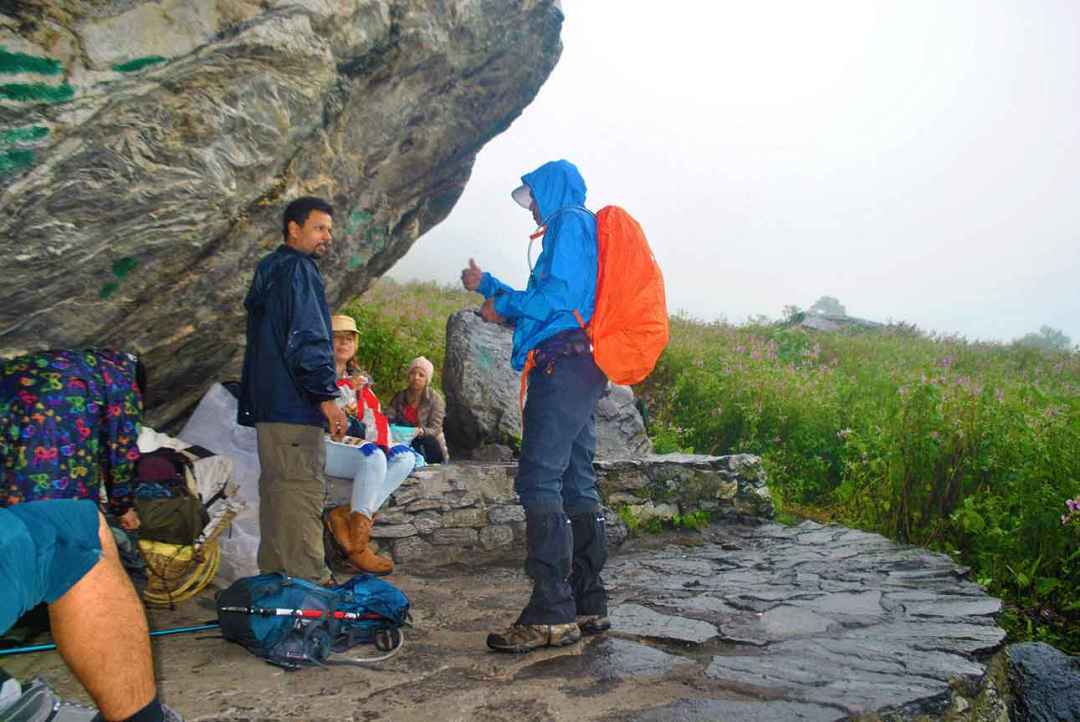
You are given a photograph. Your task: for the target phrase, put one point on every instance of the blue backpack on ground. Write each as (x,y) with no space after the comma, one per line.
(294,623)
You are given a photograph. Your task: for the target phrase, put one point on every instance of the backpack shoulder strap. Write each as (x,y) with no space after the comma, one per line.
(196,451)
(543,228)
(556,214)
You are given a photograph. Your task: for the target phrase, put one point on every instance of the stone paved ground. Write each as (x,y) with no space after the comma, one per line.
(735,623)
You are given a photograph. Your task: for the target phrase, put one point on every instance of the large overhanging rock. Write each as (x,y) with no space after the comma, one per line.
(147,150)
(482,394)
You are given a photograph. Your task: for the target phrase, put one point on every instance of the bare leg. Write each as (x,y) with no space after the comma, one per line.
(101,631)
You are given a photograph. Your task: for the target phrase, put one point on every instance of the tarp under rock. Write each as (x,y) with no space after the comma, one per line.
(213,426)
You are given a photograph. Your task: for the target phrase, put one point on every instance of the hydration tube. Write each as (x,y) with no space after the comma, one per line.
(156,633)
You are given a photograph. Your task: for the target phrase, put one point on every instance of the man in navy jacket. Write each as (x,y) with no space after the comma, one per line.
(288,390)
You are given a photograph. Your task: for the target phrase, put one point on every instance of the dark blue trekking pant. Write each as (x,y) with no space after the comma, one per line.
(590,555)
(557,486)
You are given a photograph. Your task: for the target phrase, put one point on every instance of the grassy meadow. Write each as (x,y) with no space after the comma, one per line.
(968,448)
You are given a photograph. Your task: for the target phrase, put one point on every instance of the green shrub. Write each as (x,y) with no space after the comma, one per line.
(696,520)
(970,448)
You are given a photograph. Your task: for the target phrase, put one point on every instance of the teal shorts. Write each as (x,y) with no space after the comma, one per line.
(45,548)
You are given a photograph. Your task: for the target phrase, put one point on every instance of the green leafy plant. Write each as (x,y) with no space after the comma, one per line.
(630,519)
(696,520)
(963,447)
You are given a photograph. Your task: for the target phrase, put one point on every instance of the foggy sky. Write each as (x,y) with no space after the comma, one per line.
(917,159)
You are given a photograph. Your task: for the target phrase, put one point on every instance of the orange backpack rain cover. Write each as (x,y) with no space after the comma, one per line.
(629,327)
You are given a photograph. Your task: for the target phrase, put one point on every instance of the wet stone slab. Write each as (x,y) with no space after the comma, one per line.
(775,625)
(607,659)
(819,621)
(643,622)
(692,710)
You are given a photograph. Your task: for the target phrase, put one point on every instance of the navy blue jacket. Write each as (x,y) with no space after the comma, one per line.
(289,360)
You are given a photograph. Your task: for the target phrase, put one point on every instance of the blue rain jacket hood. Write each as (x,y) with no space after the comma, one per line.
(564,278)
(289,359)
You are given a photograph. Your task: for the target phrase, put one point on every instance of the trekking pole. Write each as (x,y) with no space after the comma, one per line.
(156,633)
(300,613)
(386,640)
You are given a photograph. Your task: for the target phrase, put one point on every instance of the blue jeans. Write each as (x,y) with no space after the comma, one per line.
(556,481)
(555,472)
(375,477)
(45,548)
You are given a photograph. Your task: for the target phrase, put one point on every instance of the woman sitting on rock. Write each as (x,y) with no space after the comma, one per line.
(421,406)
(376,467)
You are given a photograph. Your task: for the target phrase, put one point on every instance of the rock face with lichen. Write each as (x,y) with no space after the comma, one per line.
(147,150)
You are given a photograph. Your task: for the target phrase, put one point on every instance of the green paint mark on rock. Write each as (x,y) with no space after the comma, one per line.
(11,63)
(16,159)
(484,358)
(357,219)
(30,92)
(123,266)
(108,289)
(26,134)
(134,66)
(377,236)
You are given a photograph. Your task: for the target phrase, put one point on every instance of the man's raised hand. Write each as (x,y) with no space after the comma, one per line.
(489,314)
(471,276)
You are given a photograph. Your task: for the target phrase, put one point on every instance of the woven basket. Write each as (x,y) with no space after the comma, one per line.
(177,572)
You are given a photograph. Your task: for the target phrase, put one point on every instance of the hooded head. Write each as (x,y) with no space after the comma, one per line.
(552,186)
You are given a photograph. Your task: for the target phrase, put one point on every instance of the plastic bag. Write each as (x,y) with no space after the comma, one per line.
(213,426)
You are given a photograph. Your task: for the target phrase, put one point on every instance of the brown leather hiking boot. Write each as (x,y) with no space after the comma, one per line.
(590,624)
(337,520)
(360,556)
(521,638)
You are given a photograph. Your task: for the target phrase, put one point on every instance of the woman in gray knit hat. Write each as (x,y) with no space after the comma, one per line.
(421,406)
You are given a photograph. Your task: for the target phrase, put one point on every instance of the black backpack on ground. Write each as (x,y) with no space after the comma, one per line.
(169,509)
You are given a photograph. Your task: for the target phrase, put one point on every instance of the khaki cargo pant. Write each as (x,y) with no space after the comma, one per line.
(292,491)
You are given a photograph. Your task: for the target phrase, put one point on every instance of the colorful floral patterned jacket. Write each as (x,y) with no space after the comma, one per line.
(69,427)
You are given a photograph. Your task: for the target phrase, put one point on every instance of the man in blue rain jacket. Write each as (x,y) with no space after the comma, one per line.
(287,391)
(565,536)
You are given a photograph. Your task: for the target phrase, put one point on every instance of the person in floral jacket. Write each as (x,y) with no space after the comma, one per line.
(69,427)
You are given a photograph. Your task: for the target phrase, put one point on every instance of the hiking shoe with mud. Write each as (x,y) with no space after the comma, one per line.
(521,638)
(591,624)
